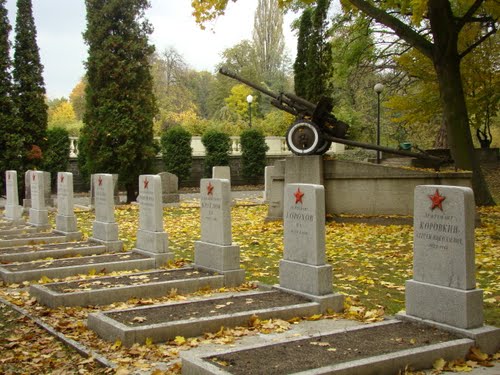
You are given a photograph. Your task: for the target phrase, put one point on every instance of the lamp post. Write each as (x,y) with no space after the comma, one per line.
(249,101)
(378,88)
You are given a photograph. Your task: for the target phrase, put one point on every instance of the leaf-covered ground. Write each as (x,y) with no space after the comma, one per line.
(371,264)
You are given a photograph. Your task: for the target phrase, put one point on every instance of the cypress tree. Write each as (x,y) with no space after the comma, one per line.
(29,87)
(319,53)
(300,66)
(10,142)
(117,136)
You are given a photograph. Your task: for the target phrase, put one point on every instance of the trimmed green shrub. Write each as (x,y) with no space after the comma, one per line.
(56,155)
(177,152)
(253,153)
(217,147)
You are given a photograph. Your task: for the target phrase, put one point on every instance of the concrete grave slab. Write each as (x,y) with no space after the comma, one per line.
(106,290)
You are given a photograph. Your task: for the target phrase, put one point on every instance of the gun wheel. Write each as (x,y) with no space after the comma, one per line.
(304,138)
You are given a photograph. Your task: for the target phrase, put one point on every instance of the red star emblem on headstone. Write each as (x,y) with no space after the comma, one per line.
(99,180)
(210,189)
(62,178)
(34,175)
(8,176)
(146,183)
(437,200)
(298,196)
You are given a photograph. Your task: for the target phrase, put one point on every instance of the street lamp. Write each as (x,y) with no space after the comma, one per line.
(378,89)
(249,101)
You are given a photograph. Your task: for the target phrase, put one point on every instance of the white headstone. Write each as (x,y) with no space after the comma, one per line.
(443,286)
(216,250)
(13,210)
(65,200)
(303,268)
(150,203)
(215,201)
(221,172)
(65,218)
(444,236)
(304,224)
(104,199)
(152,240)
(38,214)
(268,171)
(37,190)
(104,227)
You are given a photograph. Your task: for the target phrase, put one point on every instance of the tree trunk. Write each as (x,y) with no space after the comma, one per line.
(447,64)
(131,192)
(441,140)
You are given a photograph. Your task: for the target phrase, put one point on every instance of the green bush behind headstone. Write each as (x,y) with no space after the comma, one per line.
(253,153)
(217,147)
(177,152)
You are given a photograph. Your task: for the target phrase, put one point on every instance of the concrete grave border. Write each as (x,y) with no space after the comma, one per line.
(32,239)
(111,330)
(62,272)
(30,255)
(106,296)
(422,357)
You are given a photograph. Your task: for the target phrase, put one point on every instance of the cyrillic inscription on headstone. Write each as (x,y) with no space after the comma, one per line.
(444,236)
(215,211)
(65,193)
(150,204)
(104,201)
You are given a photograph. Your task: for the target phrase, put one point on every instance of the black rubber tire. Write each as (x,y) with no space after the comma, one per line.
(306,132)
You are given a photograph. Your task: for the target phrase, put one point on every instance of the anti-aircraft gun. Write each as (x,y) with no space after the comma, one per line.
(316,127)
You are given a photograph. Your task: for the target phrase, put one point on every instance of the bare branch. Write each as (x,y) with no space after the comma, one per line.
(478,42)
(462,21)
(403,31)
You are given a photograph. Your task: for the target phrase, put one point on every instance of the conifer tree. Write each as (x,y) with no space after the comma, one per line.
(117,136)
(10,144)
(300,65)
(29,87)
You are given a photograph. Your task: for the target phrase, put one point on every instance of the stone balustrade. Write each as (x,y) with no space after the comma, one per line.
(277,146)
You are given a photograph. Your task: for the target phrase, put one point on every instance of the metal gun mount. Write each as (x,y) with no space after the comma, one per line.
(316,127)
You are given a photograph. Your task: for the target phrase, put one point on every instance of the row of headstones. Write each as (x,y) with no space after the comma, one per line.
(38,213)
(443,288)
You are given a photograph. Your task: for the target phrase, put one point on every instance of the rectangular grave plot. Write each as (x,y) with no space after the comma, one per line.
(58,250)
(31,239)
(369,346)
(194,318)
(62,268)
(106,290)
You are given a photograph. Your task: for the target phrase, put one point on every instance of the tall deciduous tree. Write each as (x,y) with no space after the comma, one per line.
(29,85)
(439,43)
(269,42)
(117,136)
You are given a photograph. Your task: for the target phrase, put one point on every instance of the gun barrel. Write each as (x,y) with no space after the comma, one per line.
(230,74)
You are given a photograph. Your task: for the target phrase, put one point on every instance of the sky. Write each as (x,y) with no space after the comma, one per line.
(60,24)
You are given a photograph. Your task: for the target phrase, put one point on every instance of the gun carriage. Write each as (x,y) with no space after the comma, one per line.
(316,127)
